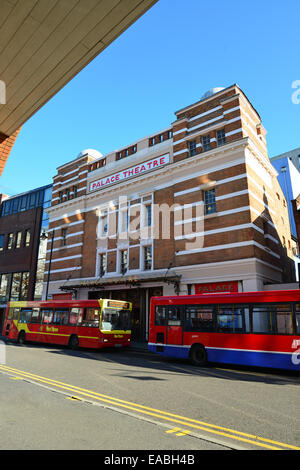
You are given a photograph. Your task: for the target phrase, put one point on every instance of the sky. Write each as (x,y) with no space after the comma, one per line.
(165,61)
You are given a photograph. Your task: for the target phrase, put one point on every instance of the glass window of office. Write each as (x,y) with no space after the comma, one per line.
(2,237)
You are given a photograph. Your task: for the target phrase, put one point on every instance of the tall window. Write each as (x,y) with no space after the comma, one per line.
(2,242)
(147,258)
(124,261)
(18,239)
(206,143)
(10,241)
(124,220)
(221,139)
(102,264)
(104,224)
(61,196)
(75,191)
(192,148)
(210,202)
(148,215)
(27,238)
(64,233)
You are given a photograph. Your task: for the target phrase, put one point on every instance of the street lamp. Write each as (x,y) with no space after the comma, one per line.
(45,236)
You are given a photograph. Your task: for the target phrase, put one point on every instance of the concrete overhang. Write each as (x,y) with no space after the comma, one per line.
(45,43)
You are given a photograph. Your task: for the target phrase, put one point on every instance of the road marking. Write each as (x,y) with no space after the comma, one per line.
(162,415)
(182,433)
(170,431)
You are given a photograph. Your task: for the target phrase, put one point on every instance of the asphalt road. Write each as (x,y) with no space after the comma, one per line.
(53,398)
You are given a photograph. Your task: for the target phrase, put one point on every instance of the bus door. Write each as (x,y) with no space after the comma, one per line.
(174,325)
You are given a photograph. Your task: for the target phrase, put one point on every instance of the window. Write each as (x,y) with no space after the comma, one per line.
(263,320)
(10,241)
(75,191)
(124,261)
(27,238)
(192,148)
(205,143)
(68,193)
(104,225)
(60,316)
(297,315)
(24,286)
(35,315)
(229,319)
(174,315)
(148,215)
(64,236)
(2,237)
(61,196)
(199,318)
(210,202)
(76,316)
(25,315)
(16,313)
(284,319)
(102,264)
(147,258)
(18,239)
(124,220)
(15,286)
(161,315)
(5,280)
(46,315)
(221,138)
(91,317)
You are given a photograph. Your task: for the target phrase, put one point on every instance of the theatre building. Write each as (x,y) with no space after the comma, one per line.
(193,208)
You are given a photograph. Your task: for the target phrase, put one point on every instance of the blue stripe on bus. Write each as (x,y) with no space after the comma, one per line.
(232,356)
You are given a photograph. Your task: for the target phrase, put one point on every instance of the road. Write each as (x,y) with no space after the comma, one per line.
(54,398)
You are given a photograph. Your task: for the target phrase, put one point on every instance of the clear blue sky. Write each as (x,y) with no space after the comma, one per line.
(167,60)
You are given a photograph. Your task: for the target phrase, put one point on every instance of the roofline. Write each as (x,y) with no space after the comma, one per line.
(219,93)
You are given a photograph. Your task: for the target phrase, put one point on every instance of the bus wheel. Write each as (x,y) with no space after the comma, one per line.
(198,355)
(22,337)
(73,342)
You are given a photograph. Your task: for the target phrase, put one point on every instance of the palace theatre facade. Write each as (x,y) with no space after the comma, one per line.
(193,208)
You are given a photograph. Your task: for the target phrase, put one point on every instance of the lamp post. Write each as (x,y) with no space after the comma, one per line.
(45,236)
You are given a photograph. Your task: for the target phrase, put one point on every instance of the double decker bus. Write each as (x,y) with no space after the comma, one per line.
(74,323)
(251,329)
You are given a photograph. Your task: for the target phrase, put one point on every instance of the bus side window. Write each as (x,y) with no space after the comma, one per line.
(25,315)
(297,315)
(76,315)
(247,319)
(160,315)
(284,319)
(46,315)
(35,315)
(263,319)
(60,316)
(91,317)
(199,318)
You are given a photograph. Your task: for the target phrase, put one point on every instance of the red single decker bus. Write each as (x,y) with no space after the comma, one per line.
(255,329)
(74,323)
